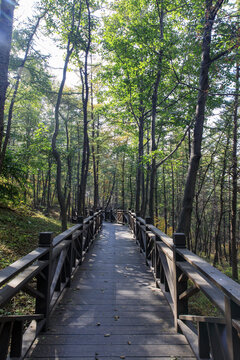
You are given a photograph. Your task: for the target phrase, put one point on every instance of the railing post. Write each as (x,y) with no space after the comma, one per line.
(44,282)
(137,232)
(17,337)
(232,311)
(180,306)
(148,222)
(80,241)
(5,332)
(91,213)
(69,260)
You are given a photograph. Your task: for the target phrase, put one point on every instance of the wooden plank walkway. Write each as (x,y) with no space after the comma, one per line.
(112,310)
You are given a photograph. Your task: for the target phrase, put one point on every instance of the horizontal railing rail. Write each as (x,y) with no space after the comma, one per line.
(181,274)
(43,274)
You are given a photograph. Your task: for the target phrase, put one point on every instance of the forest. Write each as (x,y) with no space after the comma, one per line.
(148,121)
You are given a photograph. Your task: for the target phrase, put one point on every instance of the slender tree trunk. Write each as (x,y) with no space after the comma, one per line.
(68,191)
(78,168)
(49,185)
(139,165)
(123,182)
(34,191)
(16,86)
(131,188)
(55,152)
(6,24)
(221,201)
(234,181)
(85,96)
(173,198)
(147,177)
(111,192)
(94,154)
(38,187)
(153,120)
(189,192)
(165,200)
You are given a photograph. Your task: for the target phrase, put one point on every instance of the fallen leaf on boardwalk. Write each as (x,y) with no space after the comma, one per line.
(129,343)
(122,357)
(116,317)
(107,335)
(98,324)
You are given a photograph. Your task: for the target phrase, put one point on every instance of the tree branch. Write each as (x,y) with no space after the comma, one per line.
(225,52)
(177,147)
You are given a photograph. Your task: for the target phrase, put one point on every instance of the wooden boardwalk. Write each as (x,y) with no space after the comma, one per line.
(113,309)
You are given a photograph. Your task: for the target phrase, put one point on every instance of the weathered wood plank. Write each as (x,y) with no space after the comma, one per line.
(165,328)
(113,358)
(66,234)
(229,286)
(113,339)
(111,350)
(19,281)
(210,290)
(18,266)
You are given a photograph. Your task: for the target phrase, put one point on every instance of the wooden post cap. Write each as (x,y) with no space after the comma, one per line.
(45,239)
(80,219)
(148,220)
(179,240)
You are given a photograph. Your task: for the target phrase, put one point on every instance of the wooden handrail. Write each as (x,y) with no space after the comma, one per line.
(52,264)
(173,265)
(18,266)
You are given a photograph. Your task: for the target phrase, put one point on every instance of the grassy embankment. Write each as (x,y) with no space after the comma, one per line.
(19,232)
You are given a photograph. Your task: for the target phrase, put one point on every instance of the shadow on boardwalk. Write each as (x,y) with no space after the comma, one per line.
(113,309)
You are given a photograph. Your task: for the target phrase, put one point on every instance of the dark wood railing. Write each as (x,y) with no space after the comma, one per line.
(43,274)
(181,274)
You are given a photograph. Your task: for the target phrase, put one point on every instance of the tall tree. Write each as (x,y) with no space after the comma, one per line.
(211,12)
(235,176)
(6,26)
(85,98)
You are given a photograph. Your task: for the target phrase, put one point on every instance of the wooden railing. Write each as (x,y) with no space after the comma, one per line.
(43,274)
(181,274)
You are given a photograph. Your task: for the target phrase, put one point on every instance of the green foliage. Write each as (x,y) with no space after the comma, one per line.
(12,181)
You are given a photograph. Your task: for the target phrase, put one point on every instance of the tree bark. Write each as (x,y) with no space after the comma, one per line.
(189,192)
(56,154)
(139,184)
(153,120)
(123,182)
(221,201)
(86,150)
(6,24)
(16,86)
(234,260)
